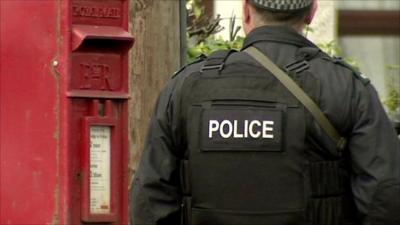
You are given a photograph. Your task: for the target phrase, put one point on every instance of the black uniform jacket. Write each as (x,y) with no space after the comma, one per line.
(350,103)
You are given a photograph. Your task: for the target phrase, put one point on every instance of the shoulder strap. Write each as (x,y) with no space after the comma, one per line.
(311,106)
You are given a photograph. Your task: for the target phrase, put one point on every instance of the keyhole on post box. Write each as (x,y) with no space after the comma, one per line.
(101,108)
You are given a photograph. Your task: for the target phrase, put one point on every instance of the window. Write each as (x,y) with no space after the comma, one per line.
(369,32)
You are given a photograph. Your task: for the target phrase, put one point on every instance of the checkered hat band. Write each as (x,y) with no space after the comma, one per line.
(283,5)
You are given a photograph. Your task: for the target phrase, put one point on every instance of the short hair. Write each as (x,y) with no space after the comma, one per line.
(288,18)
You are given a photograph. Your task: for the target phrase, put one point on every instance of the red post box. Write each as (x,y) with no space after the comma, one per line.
(64,91)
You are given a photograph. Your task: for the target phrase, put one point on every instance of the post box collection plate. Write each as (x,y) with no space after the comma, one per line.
(98,183)
(100,186)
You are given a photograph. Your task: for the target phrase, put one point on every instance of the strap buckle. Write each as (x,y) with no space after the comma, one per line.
(297,66)
(212,67)
(341,145)
(216,61)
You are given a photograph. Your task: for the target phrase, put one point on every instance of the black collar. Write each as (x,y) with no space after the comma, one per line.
(282,34)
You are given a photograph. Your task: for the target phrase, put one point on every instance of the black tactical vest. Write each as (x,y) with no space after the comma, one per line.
(248,161)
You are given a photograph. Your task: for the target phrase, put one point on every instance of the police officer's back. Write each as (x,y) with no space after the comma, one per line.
(229,143)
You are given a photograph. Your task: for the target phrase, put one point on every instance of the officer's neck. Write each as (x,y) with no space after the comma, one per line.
(299,27)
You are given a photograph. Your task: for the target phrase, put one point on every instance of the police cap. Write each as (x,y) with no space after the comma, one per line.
(282,5)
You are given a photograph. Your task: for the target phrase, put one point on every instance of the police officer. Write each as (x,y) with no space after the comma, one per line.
(233,142)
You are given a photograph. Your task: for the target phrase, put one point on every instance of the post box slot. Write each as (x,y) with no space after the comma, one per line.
(100,37)
(103,45)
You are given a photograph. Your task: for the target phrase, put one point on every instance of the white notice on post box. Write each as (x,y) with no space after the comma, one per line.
(100,184)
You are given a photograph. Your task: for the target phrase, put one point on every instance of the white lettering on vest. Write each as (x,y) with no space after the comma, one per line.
(254,129)
(235,130)
(213,126)
(252,133)
(267,127)
(226,123)
(246,128)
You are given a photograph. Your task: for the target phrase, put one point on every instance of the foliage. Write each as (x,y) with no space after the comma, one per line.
(201,33)
(392,101)
(211,44)
(195,8)
(200,26)
(332,48)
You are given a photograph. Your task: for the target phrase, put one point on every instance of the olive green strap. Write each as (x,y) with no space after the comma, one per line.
(315,111)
